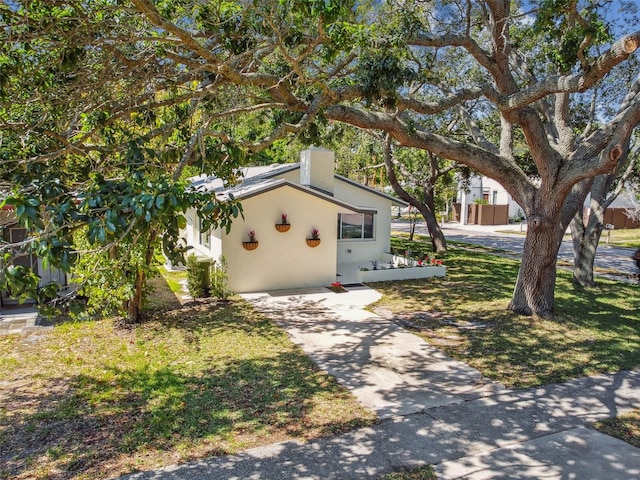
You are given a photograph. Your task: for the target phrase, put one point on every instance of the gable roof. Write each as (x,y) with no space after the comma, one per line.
(258,185)
(276,169)
(260,179)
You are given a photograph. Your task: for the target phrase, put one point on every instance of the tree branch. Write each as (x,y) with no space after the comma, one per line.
(406,134)
(618,53)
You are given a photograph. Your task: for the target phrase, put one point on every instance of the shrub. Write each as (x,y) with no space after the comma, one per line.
(197,276)
(219,278)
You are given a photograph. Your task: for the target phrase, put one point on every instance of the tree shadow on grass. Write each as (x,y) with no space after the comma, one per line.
(91,426)
(595,330)
(210,317)
(160,296)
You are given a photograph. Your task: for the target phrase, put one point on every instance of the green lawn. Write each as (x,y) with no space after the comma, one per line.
(629,237)
(595,330)
(625,427)
(92,401)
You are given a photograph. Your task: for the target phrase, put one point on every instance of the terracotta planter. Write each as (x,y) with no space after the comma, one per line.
(313,242)
(250,245)
(282,227)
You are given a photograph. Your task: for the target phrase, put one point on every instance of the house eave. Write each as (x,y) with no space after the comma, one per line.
(393,200)
(309,191)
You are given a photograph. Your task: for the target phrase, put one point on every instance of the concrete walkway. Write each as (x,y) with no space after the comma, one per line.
(434,410)
(388,369)
(22,320)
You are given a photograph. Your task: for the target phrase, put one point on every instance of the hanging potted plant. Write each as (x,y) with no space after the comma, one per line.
(314,241)
(252,244)
(284,224)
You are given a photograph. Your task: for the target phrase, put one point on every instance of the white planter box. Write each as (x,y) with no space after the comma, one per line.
(388,274)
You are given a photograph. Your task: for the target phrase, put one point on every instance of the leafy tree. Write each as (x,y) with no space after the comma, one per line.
(94,148)
(419,185)
(181,76)
(530,88)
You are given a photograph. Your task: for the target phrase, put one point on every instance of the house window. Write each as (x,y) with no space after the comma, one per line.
(355,225)
(205,235)
(495,198)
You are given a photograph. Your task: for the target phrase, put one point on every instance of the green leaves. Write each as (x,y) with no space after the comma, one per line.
(114,220)
(21,282)
(27,209)
(328,10)
(568,32)
(381,72)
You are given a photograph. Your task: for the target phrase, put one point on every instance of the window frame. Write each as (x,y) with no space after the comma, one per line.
(204,235)
(362,227)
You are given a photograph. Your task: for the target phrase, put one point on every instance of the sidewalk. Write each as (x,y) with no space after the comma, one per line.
(516,228)
(433,409)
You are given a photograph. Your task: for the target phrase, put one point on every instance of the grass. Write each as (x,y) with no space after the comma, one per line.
(625,237)
(625,427)
(628,237)
(174,279)
(165,290)
(91,401)
(595,330)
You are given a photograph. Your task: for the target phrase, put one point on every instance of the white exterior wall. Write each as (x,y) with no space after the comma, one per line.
(188,232)
(216,243)
(352,250)
(478,186)
(282,260)
(192,236)
(503,197)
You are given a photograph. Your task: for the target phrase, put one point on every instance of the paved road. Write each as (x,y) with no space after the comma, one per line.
(606,257)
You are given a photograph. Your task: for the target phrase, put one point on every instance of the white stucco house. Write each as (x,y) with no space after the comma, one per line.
(485,188)
(353,222)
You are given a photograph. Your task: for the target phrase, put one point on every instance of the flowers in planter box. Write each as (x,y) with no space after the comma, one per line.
(284,219)
(252,236)
(315,234)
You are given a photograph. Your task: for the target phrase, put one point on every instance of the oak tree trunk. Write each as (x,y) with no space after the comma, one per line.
(534,292)
(427,209)
(585,240)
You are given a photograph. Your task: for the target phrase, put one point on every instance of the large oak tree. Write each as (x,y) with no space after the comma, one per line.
(180,74)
